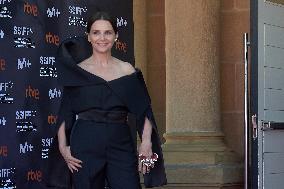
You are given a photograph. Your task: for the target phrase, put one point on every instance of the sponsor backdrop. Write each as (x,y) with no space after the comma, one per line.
(30,33)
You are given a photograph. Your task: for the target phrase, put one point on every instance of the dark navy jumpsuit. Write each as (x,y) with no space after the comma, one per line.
(107,148)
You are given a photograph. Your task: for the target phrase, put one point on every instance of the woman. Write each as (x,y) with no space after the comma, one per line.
(104,92)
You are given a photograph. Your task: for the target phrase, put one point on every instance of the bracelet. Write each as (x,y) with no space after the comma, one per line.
(148,162)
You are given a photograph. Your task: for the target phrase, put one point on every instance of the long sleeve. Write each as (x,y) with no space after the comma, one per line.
(133,92)
(55,170)
(66,114)
(157,175)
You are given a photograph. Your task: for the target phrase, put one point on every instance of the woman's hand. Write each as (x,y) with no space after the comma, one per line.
(72,162)
(146,150)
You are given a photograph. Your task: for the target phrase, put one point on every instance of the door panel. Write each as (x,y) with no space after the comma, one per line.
(274,137)
(274,181)
(274,115)
(274,57)
(273,100)
(274,36)
(274,78)
(267,93)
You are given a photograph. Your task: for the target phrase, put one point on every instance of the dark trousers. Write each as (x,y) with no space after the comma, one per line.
(108,154)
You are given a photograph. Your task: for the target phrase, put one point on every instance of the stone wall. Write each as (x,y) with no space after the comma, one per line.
(235,20)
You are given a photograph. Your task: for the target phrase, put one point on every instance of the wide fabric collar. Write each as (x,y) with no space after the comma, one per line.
(71,52)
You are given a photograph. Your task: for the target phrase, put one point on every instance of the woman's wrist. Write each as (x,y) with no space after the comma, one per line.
(146,142)
(62,147)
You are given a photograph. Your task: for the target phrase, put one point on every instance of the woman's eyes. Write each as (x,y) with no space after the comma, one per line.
(108,32)
(105,33)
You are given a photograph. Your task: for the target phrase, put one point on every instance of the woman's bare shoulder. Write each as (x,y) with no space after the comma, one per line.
(126,67)
(84,64)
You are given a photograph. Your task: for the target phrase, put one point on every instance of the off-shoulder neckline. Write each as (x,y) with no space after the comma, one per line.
(108,81)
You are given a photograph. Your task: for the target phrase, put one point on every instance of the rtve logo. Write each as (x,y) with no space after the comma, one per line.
(24,148)
(34,175)
(30,9)
(52,38)
(52,12)
(121,46)
(3,151)
(52,119)
(2,64)
(32,93)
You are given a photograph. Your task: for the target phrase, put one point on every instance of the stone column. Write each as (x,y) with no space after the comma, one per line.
(140,35)
(195,153)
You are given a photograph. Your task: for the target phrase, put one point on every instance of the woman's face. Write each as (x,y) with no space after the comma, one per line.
(102,36)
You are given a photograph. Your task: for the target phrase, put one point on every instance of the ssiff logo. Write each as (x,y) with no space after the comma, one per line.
(5,13)
(47,72)
(34,175)
(76,18)
(2,64)
(3,151)
(23,41)
(24,125)
(77,10)
(46,143)
(5,86)
(21,115)
(47,60)
(7,184)
(24,63)
(2,2)
(19,30)
(5,97)
(5,175)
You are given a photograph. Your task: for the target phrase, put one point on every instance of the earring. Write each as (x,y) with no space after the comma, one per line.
(115,39)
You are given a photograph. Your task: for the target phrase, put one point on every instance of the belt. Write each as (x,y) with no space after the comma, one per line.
(104,116)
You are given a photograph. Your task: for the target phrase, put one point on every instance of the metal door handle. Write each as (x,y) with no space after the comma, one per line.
(246,111)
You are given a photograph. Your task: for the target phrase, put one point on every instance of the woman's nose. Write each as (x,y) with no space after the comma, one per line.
(102,36)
